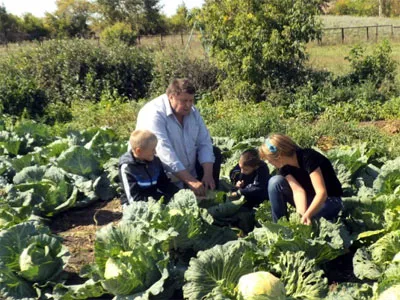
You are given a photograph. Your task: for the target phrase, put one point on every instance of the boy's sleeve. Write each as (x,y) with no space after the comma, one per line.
(235,174)
(257,189)
(129,185)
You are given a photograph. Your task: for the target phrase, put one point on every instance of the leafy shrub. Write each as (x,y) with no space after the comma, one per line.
(20,94)
(377,67)
(79,70)
(259,45)
(176,63)
(118,32)
(357,7)
(390,109)
(237,120)
(111,112)
(359,110)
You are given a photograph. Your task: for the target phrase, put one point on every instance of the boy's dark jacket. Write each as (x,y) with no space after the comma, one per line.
(142,179)
(255,188)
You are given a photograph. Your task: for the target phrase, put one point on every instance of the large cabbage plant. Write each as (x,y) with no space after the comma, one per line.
(215,272)
(130,261)
(30,258)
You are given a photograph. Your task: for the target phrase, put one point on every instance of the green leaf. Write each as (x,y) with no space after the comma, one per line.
(79,160)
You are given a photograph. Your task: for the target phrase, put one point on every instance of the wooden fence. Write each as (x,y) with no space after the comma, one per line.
(330,35)
(370,32)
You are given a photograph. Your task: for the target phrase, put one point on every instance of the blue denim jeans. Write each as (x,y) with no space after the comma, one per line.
(280,193)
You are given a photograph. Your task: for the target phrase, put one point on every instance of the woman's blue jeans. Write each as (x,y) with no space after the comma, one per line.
(280,194)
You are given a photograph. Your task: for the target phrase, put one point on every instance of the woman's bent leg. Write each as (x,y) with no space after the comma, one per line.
(330,209)
(279,193)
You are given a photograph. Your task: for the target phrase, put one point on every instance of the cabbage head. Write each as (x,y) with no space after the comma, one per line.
(130,261)
(30,258)
(392,293)
(261,285)
(39,260)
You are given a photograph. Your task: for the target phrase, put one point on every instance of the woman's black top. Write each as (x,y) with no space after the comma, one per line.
(309,160)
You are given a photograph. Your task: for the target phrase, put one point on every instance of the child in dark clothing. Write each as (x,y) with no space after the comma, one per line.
(141,172)
(250,177)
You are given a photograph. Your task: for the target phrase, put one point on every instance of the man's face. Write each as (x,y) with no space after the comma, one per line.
(181,104)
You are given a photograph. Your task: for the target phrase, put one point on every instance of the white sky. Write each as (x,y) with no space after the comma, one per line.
(39,7)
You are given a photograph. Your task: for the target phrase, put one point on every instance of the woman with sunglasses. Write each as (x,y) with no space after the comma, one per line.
(306,180)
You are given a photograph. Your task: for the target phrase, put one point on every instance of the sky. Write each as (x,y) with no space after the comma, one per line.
(39,7)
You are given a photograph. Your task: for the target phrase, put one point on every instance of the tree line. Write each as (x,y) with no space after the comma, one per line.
(123,19)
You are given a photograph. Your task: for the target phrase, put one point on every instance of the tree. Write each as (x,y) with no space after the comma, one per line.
(143,15)
(71,18)
(34,27)
(259,44)
(9,27)
(179,21)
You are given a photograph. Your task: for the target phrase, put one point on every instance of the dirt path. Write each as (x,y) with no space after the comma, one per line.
(78,228)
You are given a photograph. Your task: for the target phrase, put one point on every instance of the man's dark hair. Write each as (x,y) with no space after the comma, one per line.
(181,85)
(250,158)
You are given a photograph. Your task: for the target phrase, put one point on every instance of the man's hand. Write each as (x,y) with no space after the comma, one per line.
(208,182)
(197,187)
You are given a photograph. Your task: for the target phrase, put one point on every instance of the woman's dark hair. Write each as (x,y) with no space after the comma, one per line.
(250,158)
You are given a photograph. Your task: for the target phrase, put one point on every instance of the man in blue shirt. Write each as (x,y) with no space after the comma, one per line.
(183,139)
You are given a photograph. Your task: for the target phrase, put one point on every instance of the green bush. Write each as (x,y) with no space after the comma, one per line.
(117,33)
(390,110)
(20,94)
(42,78)
(377,67)
(237,120)
(81,70)
(259,45)
(111,111)
(177,63)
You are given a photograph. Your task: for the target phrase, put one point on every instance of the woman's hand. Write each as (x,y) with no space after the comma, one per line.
(306,220)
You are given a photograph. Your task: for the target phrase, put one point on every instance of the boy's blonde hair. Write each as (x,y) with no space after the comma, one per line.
(142,139)
(276,145)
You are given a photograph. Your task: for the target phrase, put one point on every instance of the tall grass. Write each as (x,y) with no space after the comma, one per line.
(332,57)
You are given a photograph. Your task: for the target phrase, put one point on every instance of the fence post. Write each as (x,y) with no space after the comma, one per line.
(367,34)
(376,34)
(392,33)
(342,35)
(182,38)
(138,38)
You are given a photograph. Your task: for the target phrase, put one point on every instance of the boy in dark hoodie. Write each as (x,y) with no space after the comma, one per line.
(250,178)
(141,173)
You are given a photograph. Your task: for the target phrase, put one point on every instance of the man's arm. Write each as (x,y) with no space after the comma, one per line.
(208,179)
(205,154)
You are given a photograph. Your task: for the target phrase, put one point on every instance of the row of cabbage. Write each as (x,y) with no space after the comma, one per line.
(187,248)
(42,174)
